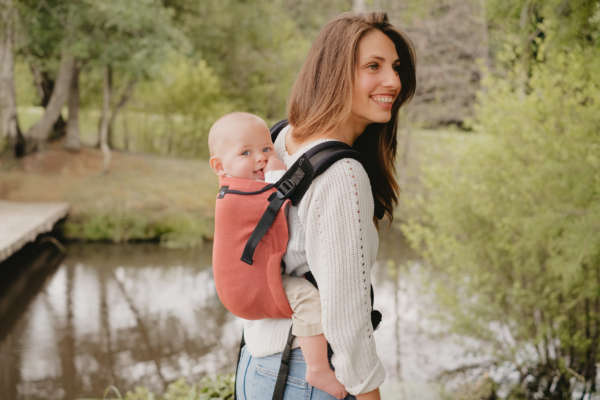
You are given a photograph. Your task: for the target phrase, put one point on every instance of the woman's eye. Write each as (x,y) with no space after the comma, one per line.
(373,66)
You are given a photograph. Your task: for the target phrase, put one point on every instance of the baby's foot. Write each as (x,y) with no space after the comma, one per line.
(325,380)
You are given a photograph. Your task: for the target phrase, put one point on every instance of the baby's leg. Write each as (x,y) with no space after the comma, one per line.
(306,325)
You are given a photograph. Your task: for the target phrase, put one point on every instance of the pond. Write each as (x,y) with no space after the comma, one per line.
(141,314)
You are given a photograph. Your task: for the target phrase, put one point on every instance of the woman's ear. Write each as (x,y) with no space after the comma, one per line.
(217,165)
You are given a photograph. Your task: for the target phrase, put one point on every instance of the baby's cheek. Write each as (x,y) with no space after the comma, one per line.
(274,164)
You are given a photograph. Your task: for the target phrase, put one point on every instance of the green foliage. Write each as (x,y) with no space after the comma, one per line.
(513,229)
(173,230)
(255,47)
(190,100)
(219,388)
(25,90)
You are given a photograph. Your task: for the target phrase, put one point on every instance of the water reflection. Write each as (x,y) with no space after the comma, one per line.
(140,314)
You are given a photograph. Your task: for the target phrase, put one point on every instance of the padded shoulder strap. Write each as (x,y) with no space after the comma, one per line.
(275,129)
(293,184)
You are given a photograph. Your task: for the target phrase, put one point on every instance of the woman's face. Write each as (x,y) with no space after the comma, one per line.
(376,82)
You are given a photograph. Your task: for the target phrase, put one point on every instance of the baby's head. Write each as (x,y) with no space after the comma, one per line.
(240,146)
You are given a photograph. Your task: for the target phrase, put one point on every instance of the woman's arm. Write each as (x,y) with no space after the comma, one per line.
(341,246)
(372,395)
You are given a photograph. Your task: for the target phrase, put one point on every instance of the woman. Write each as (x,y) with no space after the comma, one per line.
(358,73)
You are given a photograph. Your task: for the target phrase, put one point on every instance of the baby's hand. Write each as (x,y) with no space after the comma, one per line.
(274,164)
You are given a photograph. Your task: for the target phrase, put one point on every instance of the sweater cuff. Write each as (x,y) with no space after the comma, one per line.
(372,382)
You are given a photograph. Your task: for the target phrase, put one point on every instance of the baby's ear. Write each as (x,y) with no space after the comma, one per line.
(216,165)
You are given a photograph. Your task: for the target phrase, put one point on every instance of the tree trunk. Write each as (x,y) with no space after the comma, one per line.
(38,134)
(44,84)
(9,123)
(125,96)
(125,135)
(72,141)
(106,118)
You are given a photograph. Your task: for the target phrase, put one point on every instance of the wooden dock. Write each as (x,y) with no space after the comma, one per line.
(21,223)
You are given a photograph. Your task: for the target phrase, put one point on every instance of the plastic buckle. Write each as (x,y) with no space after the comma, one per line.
(222,192)
(284,188)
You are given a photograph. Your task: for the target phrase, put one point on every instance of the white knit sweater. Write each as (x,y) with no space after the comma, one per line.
(332,234)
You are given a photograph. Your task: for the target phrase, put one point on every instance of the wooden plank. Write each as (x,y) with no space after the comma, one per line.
(23,222)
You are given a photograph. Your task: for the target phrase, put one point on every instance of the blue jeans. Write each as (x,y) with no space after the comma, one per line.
(256,378)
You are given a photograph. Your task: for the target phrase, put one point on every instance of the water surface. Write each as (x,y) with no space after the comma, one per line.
(140,314)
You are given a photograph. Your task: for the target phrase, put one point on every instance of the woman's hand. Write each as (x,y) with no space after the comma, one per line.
(372,395)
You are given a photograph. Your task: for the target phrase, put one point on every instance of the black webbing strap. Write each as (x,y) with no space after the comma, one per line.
(296,178)
(265,222)
(237,367)
(284,368)
(293,184)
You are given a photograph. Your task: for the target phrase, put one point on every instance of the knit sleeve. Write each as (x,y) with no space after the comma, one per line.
(341,246)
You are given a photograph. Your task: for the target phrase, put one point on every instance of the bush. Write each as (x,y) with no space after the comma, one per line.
(514,230)
(219,388)
(172,230)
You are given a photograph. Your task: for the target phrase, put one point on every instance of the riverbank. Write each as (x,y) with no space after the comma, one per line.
(153,198)
(143,197)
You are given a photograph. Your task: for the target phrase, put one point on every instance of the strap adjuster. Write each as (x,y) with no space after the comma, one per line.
(284,188)
(222,192)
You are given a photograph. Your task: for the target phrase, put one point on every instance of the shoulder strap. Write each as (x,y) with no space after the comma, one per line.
(294,183)
(278,127)
(275,129)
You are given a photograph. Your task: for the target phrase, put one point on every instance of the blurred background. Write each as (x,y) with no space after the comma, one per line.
(488,277)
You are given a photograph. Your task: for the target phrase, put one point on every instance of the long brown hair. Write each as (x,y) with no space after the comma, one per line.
(321,98)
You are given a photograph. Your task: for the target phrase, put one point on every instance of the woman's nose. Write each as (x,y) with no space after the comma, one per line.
(392,79)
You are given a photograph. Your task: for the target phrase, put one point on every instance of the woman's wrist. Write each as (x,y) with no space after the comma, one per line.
(372,395)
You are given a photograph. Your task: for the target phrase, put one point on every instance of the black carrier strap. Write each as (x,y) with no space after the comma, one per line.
(293,184)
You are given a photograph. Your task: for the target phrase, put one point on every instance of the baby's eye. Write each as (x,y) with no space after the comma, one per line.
(245,153)
(267,149)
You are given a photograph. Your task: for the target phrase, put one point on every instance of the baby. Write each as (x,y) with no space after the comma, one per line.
(240,146)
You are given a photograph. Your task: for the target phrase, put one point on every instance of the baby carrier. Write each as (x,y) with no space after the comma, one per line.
(251,235)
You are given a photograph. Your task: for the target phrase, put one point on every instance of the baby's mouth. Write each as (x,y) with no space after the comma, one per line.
(260,174)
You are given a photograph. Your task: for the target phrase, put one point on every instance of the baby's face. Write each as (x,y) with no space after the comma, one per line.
(245,151)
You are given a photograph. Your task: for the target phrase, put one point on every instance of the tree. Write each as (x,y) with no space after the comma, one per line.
(513,229)
(130,40)
(255,48)
(9,125)
(450,42)
(46,26)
